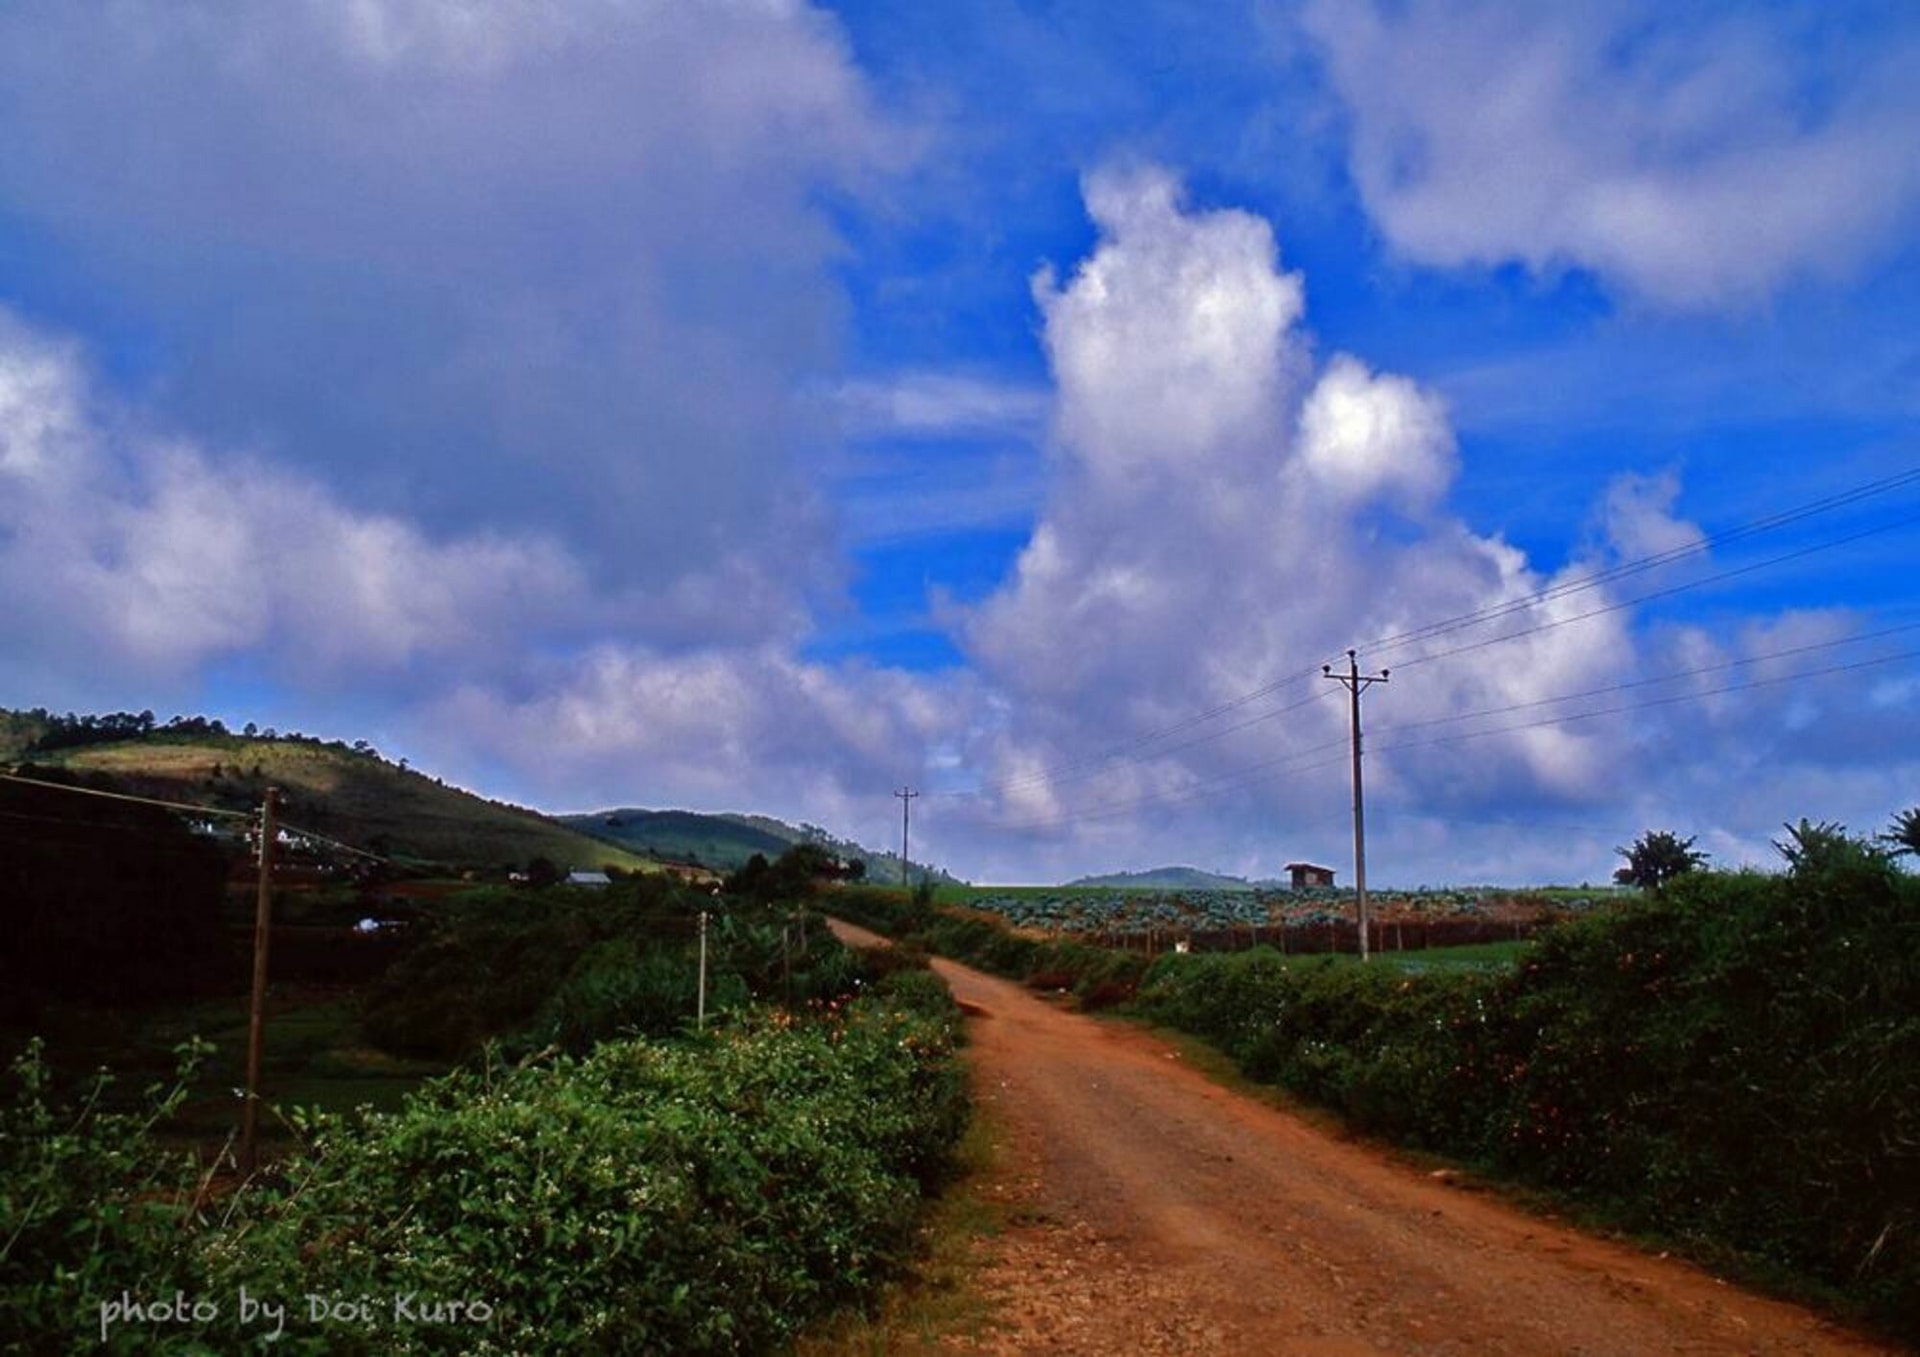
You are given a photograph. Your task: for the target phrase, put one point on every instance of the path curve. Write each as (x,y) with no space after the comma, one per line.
(1157,1212)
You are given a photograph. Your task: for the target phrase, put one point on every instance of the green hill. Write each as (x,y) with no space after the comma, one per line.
(356,797)
(725,842)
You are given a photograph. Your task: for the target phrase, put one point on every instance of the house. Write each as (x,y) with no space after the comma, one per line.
(588,879)
(1306,876)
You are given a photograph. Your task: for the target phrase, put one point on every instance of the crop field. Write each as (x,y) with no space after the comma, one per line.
(1430,917)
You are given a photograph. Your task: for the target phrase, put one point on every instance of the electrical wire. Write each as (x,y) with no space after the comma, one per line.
(1642,564)
(1292,762)
(1135,749)
(1717,578)
(185,807)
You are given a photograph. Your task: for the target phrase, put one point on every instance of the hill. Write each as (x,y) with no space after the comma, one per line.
(351,795)
(1168,879)
(726,841)
(723,842)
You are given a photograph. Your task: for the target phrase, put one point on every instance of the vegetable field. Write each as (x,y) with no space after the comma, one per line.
(1318,920)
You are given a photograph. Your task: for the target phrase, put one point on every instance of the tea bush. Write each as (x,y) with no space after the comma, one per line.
(704,1196)
(1735,1061)
(698,1197)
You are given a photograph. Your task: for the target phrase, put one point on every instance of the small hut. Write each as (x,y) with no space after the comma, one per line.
(1306,875)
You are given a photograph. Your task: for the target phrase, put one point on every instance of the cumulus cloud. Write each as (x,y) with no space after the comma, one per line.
(1228,511)
(124,546)
(1368,437)
(1694,159)
(717,730)
(498,268)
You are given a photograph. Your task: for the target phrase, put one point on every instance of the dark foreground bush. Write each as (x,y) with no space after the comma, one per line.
(697,1197)
(1736,1063)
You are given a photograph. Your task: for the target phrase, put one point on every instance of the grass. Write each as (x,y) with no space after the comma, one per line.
(310,1057)
(358,798)
(1478,957)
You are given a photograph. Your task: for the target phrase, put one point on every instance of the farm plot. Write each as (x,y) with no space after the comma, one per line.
(1307,921)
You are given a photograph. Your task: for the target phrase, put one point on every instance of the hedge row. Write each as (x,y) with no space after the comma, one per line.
(1735,1063)
(1097,976)
(707,1196)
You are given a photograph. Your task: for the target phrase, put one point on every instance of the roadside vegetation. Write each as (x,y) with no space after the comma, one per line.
(1729,1061)
(596,1172)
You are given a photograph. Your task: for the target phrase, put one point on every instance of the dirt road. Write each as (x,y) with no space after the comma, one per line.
(1157,1212)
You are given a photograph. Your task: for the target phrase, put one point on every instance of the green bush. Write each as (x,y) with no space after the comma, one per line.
(689,1197)
(1735,1062)
(705,1197)
(88,1205)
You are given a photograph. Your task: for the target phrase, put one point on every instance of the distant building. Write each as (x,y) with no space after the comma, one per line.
(1306,876)
(588,879)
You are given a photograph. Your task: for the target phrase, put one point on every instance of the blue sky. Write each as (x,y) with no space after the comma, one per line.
(763,406)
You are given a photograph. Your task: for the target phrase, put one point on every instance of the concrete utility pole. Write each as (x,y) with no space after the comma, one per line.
(1355,683)
(256,1012)
(906,795)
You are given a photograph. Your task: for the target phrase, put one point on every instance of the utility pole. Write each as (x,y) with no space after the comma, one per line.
(256,1013)
(700,1011)
(906,795)
(1355,683)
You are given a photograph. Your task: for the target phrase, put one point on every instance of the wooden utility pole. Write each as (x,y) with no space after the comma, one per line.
(1355,683)
(906,795)
(700,1011)
(256,1013)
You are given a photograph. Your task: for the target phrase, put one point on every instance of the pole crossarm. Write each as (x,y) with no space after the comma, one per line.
(1357,683)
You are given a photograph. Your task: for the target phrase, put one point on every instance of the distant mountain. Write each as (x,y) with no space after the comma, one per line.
(726,841)
(1168,879)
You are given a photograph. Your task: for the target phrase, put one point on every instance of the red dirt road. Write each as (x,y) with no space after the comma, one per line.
(1156,1212)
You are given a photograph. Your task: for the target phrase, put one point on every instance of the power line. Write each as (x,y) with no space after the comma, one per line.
(1134,749)
(334,843)
(184,807)
(1295,761)
(1668,701)
(1580,584)
(1656,679)
(1664,593)
(65,822)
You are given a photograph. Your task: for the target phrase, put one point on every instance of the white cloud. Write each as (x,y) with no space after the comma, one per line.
(941,403)
(498,269)
(736,729)
(1367,437)
(121,546)
(1228,512)
(1696,160)
(1636,517)
(1171,352)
